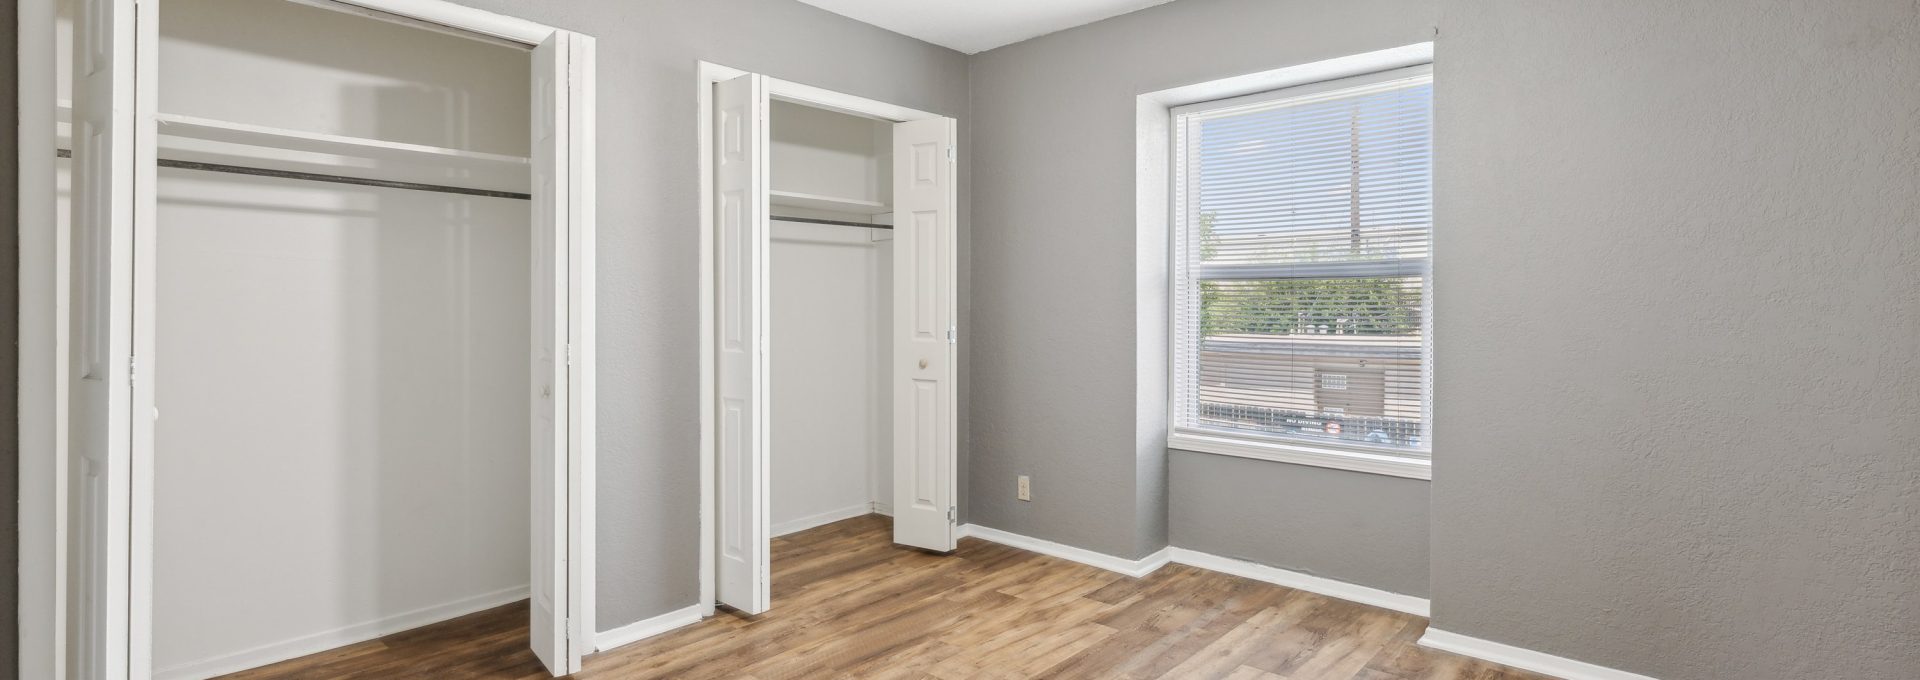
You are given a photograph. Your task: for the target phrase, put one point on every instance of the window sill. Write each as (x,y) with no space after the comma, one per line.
(1355,460)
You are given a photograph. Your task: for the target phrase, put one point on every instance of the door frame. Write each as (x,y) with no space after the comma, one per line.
(43,332)
(708,75)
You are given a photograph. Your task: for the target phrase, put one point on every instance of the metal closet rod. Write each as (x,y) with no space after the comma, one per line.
(843,223)
(318,177)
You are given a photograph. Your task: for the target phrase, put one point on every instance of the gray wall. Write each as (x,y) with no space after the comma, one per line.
(9,347)
(1678,282)
(1057,325)
(649,317)
(1280,515)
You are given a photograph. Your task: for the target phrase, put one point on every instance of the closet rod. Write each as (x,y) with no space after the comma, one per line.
(317,177)
(843,223)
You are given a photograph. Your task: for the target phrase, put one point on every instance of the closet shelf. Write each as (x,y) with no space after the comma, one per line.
(297,140)
(208,144)
(795,199)
(211,130)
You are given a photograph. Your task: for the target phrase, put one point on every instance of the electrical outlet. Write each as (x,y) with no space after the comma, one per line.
(1026,488)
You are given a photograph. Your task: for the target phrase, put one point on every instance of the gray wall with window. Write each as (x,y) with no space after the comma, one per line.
(1057,328)
(1675,325)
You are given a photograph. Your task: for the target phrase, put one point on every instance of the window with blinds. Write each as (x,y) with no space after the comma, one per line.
(1303,235)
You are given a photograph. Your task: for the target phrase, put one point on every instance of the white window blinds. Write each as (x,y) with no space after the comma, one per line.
(1301,263)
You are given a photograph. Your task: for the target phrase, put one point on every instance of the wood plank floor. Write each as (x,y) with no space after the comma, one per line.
(849,604)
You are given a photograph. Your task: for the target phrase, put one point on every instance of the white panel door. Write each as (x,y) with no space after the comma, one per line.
(925,412)
(745,504)
(113,179)
(549,597)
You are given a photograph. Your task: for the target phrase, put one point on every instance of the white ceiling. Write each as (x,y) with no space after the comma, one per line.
(972,26)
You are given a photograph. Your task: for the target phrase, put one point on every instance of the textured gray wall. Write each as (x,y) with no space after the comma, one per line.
(1277,514)
(1678,282)
(1055,390)
(649,233)
(9,348)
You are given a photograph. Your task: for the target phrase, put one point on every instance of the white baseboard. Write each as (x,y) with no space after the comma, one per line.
(338,637)
(1136,568)
(1417,606)
(646,628)
(799,524)
(882,508)
(1522,658)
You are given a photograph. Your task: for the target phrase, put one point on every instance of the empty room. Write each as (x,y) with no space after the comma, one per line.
(956,339)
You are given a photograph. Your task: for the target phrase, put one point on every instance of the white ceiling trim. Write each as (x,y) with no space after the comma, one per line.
(973,26)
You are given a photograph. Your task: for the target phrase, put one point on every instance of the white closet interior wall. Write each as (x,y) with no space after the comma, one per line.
(343,372)
(831,317)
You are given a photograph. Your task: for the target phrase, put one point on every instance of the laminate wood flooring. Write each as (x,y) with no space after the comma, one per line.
(849,604)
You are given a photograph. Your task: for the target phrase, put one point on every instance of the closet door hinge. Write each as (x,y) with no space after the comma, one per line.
(133,369)
(953,335)
(569,354)
(949,153)
(950,513)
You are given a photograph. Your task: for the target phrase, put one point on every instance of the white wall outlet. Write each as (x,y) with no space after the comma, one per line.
(1026,488)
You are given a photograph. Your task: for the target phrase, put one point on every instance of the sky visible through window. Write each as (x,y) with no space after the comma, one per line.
(1346,178)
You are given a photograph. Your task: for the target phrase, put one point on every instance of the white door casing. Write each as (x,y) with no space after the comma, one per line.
(925,412)
(113,190)
(549,377)
(740,136)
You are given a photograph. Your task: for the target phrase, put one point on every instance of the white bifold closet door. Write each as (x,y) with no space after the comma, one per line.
(745,503)
(553,203)
(108,622)
(925,412)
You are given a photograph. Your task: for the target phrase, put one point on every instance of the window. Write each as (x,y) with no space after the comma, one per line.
(1301,264)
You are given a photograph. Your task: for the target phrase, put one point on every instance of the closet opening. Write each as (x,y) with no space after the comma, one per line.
(331,293)
(830,320)
(828,338)
(344,341)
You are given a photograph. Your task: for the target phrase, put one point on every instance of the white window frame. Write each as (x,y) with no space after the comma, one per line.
(1288,83)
